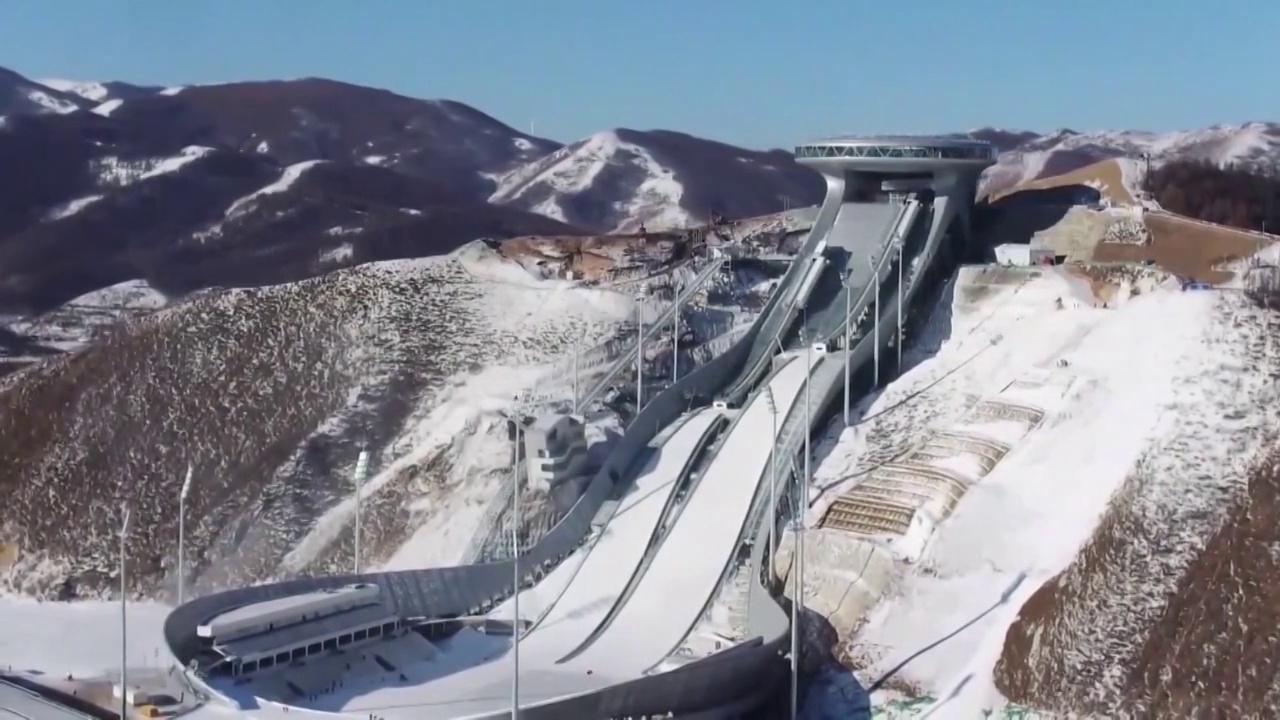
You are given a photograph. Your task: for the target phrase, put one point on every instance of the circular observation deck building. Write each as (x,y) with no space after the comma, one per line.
(939,171)
(947,165)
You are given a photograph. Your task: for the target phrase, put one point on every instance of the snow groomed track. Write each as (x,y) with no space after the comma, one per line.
(590,585)
(614,606)
(686,570)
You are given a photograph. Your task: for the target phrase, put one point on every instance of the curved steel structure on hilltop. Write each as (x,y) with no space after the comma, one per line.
(896,200)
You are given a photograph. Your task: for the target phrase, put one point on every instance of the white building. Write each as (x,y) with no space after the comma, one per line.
(555,449)
(1035,253)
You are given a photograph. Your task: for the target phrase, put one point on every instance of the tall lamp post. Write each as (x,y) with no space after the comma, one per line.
(639,351)
(362,468)
(576,342)
(675,338)
(124,614)
(182,534)
(516,421)
(848,330)
(773,471)
(902,259)
(875,345)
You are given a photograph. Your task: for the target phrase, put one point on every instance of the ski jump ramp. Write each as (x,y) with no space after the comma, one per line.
(605,598)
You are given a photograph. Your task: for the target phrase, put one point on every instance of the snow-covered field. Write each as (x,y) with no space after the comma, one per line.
(1141,372)
(81,638)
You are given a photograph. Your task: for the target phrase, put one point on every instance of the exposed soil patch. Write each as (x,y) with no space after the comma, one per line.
(1184,247)
(1105,176)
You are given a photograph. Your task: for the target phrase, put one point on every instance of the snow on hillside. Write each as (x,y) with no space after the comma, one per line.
(76,323)
(460,424)
(72,207)
(108,107)
(51,103)
(87,89)
(944,619)
(175,163)
(286,180)
(1028,156)
(553,183)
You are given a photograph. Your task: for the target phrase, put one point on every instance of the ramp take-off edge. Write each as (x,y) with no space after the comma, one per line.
(603,611)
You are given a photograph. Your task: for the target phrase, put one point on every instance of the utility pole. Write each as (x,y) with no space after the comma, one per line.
(515,564)
(362,467)
(124,614)
(182,533)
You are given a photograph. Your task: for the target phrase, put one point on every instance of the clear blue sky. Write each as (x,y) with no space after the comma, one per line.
(753,72)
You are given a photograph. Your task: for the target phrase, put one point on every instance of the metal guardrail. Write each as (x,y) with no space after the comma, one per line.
(493,511)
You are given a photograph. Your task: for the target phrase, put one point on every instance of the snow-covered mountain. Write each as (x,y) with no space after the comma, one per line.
(618,179)
(18,95)
(98,93)
(93,200)
(315,119)
(1029,156)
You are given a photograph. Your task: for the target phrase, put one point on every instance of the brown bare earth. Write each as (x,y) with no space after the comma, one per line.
(1105,175)
(1185,247)
(1214,649)
(1171,609)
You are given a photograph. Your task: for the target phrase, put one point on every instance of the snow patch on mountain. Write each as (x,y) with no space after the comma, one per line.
(339,255)
(551,184)
(656,202)
(171,91)
(75,324)
(108,107)
(175,163)
(51,103)
(72,207)
(87,89)
(1029,156)
(570,169)
(287,179)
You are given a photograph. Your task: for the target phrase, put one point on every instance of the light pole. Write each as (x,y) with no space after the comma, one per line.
(515,564)
(675,339)
(639,351)
(575,377)
(773,473)
(182,533)
(848,323)
(875,346)
(362,467)
(902,258)
(124,615)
